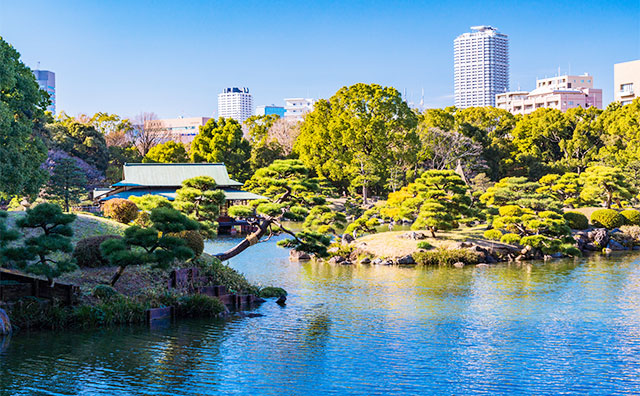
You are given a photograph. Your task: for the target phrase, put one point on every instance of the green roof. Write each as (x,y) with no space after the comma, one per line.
(172,175)
(229,194)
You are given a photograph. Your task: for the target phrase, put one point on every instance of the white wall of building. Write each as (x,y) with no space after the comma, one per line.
(236,103)
(296,108)
(481,67)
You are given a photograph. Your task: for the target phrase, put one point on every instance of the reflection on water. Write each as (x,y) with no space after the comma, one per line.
(533,328)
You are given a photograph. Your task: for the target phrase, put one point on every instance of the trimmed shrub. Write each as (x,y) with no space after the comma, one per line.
(512,239)
(510,210)
(87,251)
(104,292)
(193,239)
(576,221)
(571,251)
(221,274)
(447,257)
(631,216)
(270,291)
(607,218)
(493,234)
(121,210)
(199,305)
(424,245)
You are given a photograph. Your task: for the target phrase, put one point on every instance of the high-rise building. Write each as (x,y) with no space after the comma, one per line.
(180,130)
(295,108)
(560,92)
(481,66)
(626,81)
(235,103)
(268,110)
(47,82)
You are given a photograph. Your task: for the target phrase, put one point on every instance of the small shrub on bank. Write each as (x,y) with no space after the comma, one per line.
(87,251)
(199,305)
(576,221)
(221,274)
(571,251)
(424,245)
(121,210)
(447,257)
(493,234)
(607,218)
(270,291)
(512,239)
(631,216)
(104,292)
(193,239)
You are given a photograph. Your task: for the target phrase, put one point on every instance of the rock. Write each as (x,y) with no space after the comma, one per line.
(459,264)
(590,247)
(557,255)
(482,265)
(253,315)
(5,324)
(346,262)
(636,248)
(599,237)
(387,262)
(365,260)
(337,259)
(405,260)
(520,258)
(614,245)
(412,235)
(377,261)
(607,251)
(295,255)
(282,300)
(547,257)
(490,259)
(334,249)
(347,239)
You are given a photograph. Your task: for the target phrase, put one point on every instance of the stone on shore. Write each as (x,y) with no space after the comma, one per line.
(295,255)
(459,264)
(406,260)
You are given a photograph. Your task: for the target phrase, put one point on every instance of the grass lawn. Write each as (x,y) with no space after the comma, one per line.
(389,244)
(84,226)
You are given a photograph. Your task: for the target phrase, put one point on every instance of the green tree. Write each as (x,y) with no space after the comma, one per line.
(348,139)
(67,183)
(437,200)
(21,115)
(168,152)
(201,200)
(9,254)
(264,148)
(222,141)
(43,251)
(581,148)
(153,245)
(80,140)
(605,184)
(565,188)
(118,156)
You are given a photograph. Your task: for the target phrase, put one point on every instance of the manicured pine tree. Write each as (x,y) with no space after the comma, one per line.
(67,183)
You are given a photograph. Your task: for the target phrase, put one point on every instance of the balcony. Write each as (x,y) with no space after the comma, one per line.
(626,92)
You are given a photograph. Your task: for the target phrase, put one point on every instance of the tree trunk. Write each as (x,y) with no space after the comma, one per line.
(433,233)
(609,199)
(364,194)
(117,275)
(250,240)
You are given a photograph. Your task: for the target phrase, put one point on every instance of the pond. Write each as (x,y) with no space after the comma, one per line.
(570,327)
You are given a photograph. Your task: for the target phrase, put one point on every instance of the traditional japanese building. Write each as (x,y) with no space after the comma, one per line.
(166,179)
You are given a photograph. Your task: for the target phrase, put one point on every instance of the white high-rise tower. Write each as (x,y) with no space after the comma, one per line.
(481,67)
(235,103)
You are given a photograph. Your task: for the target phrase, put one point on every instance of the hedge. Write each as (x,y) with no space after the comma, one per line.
(121,210)
(607,218)
(576,221)
(87,251)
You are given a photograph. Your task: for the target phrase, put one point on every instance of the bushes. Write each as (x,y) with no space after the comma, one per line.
(607,218)
(104,292)
(193,239)
(512,239)
(447,257)
(121,210)
(270,291)
(221,274)
(87,251)
(199,305)
(493,234)
(424,245)
(631,216)
(576,221)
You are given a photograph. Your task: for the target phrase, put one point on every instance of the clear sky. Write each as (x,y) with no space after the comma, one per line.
(174,57)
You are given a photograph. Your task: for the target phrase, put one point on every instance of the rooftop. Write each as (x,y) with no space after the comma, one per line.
(172,175)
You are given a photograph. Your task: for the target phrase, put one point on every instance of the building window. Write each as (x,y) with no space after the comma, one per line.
(626,87)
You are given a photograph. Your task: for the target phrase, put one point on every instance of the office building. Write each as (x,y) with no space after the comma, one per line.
(481,67)
(180,130)
(626,81)
(235,103)
(296,108)
(47,82)
(268,110)
(561,92)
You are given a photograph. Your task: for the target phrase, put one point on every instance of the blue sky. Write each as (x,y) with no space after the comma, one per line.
(174,57)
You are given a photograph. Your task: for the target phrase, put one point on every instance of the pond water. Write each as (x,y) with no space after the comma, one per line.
(570,327)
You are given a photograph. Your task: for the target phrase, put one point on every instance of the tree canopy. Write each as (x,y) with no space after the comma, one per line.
(168,152)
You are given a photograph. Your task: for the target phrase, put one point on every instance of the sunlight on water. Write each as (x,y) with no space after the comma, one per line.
(568,326)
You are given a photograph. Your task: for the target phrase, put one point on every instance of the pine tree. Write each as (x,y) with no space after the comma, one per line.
(67,183)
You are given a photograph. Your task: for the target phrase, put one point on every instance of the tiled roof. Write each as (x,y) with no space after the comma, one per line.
(170,175)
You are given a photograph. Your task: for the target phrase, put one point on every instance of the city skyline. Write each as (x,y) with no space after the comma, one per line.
(174,60)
